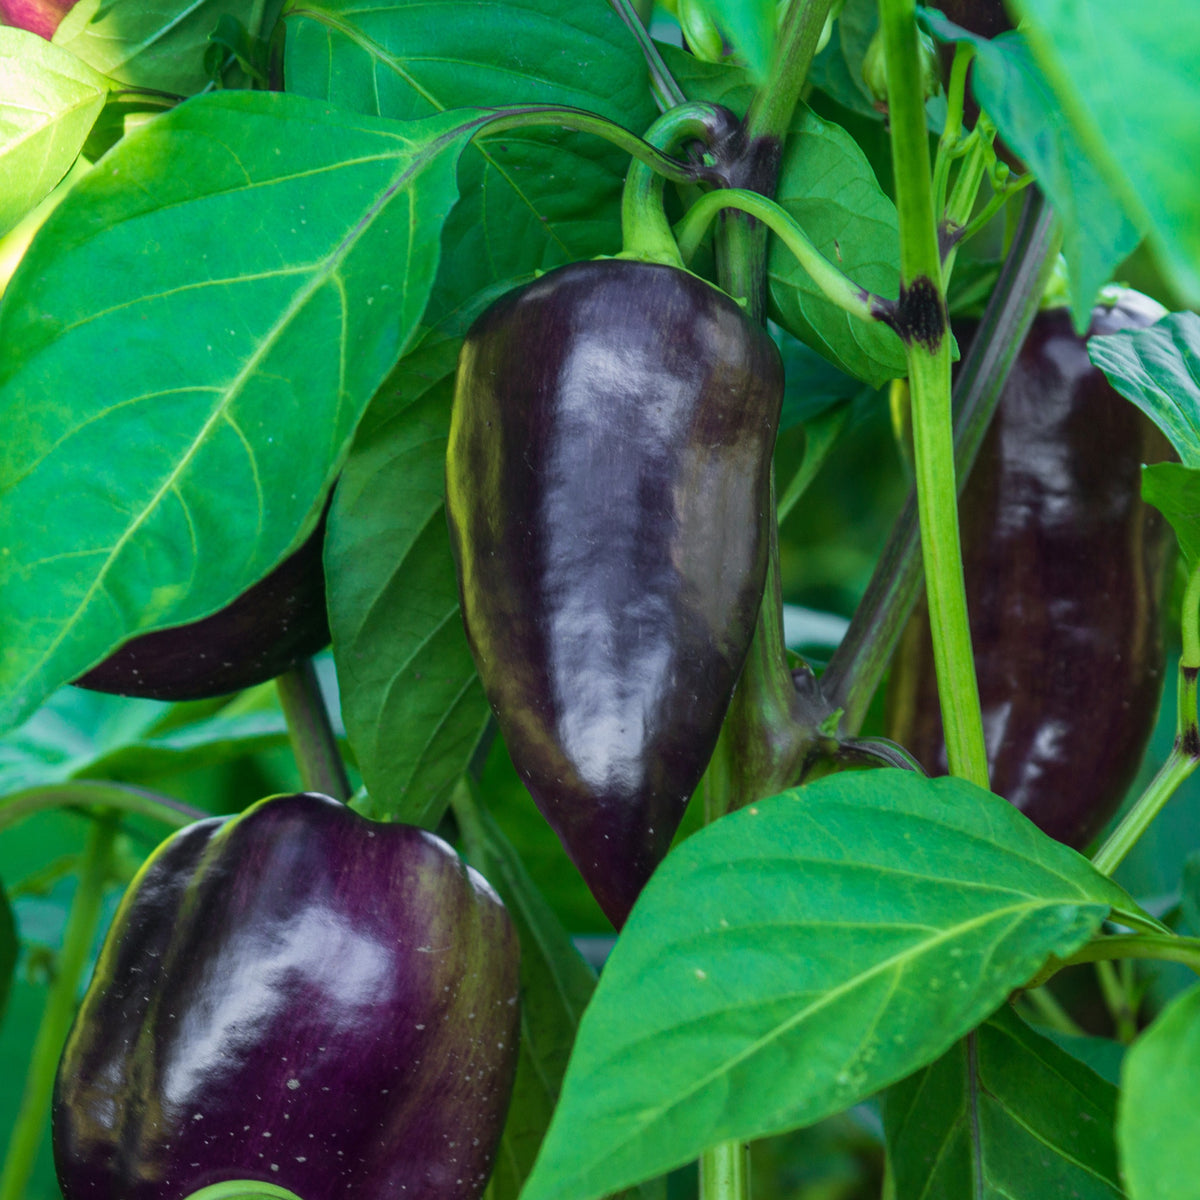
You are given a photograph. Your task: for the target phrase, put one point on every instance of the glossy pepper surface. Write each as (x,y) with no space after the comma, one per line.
(299,996)
(608,479)
(270,628)
(1065,574)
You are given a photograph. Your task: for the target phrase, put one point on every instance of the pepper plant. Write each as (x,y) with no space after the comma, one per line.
(264,265)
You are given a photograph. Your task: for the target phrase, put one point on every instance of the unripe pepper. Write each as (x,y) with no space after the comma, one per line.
(1065,570)
(298,996)
(268,629)
(607,487)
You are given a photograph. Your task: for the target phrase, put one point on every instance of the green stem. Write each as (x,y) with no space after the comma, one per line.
(820,436)
(88,793)
(927,349)
(858,664)
(59,1012)
(725,1172)
(771,111)
(1150,803)
(985,214)
(645,232)
(1190,620)
(314,745)
(667,92)
(562,116)
(950,144)
(1051,1013)
(834,284)
(1185,754)
(961,204)
(1163,947)
(1116,998)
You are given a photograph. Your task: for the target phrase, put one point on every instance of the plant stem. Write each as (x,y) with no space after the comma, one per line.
(928,355)
(85,793)
(1161,946)
(645,232)
(1190,621)
(820,436)
(1150,803)
(837,287)
(859,662)
(667,92)
(1116,998)
(771,111)
(314,745)
(564,117)
(1185,754)
(725,1172)
(1050,1012)
(59,1012)
(949,147)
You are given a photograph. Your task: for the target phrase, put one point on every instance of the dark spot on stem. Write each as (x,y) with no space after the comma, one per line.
(949,235)
(918,316)
(1189,741)
(755,163)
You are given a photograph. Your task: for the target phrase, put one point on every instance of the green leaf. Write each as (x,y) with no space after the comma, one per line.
(837,70)
(1011,89)
(799,955)
(1102,1055)
(1159,370)
(1189,892)
(828,186)
(85,735)
(160,45)
(1125,75)
(196,457)
(1004,1113)
(49,102)
(8,950)
(531,198)
(718,83)
(1175,491)
(1158,1122)
(749,26)
(413,705)
(814,384)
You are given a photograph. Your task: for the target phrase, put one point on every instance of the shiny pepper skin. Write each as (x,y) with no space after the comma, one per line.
(1065,576)
(298,996)
(608,484)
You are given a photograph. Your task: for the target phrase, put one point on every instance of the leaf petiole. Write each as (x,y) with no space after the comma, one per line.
(836,286)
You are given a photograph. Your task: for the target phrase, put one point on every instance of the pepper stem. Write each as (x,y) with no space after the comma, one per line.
(645,231)
(313,742)
(59,1012)
(725,1171)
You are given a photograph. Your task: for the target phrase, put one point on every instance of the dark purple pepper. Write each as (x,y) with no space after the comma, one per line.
(267,630)
(608,482)
(1065,576)
(42,17)
(300,996)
